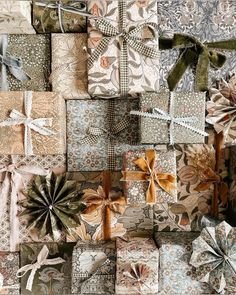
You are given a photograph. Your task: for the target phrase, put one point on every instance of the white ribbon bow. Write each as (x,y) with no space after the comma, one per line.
(17,118)
(41,261)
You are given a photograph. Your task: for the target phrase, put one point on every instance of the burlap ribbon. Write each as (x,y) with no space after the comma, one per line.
(195,52)
(13,64)
(165,181)
(38,125)
(128,39)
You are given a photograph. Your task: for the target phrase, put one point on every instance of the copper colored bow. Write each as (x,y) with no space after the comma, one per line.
(147,165)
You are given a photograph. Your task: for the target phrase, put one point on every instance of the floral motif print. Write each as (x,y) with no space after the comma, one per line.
(9,264)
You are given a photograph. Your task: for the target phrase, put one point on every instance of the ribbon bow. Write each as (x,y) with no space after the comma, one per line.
(197,52)
(129,38)
(164,180)
(17,118)
(33,267)
(13,64)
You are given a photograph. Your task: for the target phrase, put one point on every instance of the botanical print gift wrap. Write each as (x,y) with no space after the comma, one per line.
(122,59)
(69,65)
(94,267)
(137,266)
(32,123)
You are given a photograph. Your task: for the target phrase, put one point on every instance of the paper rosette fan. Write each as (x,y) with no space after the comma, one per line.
(52,205)
(214,257)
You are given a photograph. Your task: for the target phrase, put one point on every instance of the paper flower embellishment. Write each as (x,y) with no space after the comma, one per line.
(214,256)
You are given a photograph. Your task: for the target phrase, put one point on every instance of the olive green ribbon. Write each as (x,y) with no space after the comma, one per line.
(195,52)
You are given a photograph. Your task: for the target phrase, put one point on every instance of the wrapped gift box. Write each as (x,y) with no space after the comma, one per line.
(169,105)
(137,266)
(93,268)
(15,17)
(49,278)
(104,71)
(46,16)
(69,65)
(45,134)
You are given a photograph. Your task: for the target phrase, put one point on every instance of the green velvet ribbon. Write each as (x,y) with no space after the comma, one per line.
(195,52)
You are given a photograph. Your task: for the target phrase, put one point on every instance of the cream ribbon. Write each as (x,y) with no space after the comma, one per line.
(17,118)
(33,267)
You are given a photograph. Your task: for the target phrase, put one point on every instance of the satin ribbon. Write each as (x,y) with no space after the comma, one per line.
(33,267)
(10,186)
(195,52)
(13,64)
(165,181)
(128,39)
(17,118)
(171,119)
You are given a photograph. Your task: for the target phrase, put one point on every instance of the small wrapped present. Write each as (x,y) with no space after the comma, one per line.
(123,48)
(63,16)
(45,268)
(172,117)
(15,17)
(99,132)
(32,123)
(26,62)
(9,264)
(149,176)
(94,267)
(137,266)
(69,65)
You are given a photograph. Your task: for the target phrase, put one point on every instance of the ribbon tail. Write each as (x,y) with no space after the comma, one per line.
(151,193)
(19,74)
(28,141)
(202,72)
(4,193)
(106,223)
(30,280)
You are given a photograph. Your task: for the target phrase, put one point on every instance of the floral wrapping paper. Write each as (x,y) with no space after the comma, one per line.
(69,65)
(103,76)
(49,279)
(44,105)
(9,264)
(140,252)
(15,17)
(34,51)
(94,267)
(179,105)
(46,20)
(206,20)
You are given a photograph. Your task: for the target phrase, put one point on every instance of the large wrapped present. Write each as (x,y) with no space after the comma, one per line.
(123,47)
(69,65)
(32,123)
(15,17)
(16,174)
(172,117)
(99,132)
(149,177)
(45,268)
(26,62)
(137,266)
(94,267)
(52,16)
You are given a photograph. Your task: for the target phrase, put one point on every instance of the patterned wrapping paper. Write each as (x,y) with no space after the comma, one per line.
(69,65)
(178,105)
(9,264)
(49,279)
(93,268)
(206,20)
(15,17)
(56,163)
(46,19)
(143,72)
(44,105)
(137,254)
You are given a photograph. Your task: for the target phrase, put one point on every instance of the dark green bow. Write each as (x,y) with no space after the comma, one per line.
(195,52)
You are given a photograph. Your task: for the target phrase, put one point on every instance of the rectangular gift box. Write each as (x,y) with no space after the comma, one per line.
(15,17)
(105,71)
(69,65)
(94,267)
(137,266)
(44,135)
